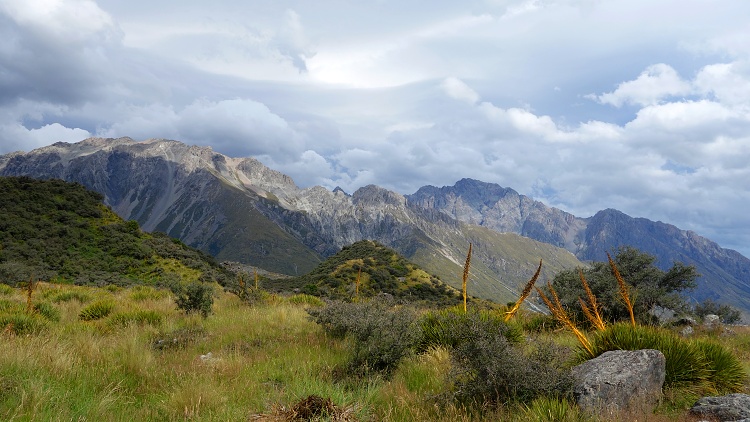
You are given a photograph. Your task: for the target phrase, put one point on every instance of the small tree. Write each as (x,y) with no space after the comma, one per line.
(195,297)
(650,286)
(728,314)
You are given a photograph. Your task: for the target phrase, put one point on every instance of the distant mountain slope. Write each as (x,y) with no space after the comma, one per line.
(55,230)
(237,209)
(725,273)
(179,190)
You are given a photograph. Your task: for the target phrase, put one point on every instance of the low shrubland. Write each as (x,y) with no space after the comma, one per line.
(138,356)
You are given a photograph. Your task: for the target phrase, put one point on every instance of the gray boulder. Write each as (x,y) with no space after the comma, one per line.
(732,407)
(711,321)
(619,380)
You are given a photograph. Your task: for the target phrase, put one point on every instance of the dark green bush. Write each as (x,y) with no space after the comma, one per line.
(728,314)
(487,368)
(381,333)
(194,297)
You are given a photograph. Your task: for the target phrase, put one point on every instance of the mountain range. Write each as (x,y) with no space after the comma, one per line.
(237,209)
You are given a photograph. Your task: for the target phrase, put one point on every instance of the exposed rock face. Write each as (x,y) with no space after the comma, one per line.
(239,210)
(725,273)
(503,210)
(732,407)
(619,380)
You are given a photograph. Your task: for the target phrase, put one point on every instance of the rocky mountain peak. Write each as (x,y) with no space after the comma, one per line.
(375,195)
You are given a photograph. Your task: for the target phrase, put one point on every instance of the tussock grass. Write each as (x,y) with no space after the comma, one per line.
(701,366)
(239,362)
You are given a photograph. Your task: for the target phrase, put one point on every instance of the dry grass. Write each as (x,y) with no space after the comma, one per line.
(561,315)
(624,289)
(524,294)
(465,277)
(591,310)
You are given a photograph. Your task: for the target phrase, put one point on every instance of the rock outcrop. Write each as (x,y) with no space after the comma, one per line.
(620,380)
(732,407)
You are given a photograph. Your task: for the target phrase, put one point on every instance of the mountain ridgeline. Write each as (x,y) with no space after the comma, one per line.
(237,209)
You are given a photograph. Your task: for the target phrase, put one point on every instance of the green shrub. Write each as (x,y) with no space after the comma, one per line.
(96,310)
(700,364)
(67,296)
(47,310)
(726,313)
(381,333)
(194,297)
(444,328)
(487,368)
(140,317)
(304,299)
(9,306)
(141,293)
(21,324)
(726,372)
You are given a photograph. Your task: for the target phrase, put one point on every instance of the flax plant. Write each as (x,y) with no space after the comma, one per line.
(591,310)
(524,294)
(466,275)
(359,275)
(561,315)
(623,289)
(29,290)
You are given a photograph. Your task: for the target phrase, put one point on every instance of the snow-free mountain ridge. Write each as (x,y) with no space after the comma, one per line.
(238,209)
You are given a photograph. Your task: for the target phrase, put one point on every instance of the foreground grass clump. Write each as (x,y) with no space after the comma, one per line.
(96,310)
(697,364)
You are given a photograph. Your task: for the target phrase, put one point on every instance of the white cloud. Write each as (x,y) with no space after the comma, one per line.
(405,94)
(69,21)
(15,137)
(656,83)
(457,89)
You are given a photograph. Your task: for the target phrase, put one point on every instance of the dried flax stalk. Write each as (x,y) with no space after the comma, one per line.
(466,275)
(524,294)
(592,312)
(624,289)
(559,313)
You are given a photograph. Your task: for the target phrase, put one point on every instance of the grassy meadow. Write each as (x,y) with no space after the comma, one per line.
(111,354)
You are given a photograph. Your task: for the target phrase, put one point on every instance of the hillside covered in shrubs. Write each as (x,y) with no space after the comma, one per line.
(57,231)
(365,269)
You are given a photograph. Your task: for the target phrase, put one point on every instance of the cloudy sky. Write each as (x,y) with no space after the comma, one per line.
(638,105)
